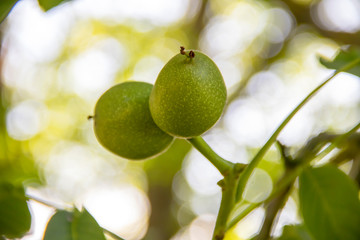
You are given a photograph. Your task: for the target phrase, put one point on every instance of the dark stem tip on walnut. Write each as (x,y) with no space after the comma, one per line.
(182,50)
(191,54)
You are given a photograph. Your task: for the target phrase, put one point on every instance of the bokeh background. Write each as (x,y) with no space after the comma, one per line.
(56,64)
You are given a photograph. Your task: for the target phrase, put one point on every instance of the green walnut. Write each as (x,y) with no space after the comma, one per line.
(123,123)
(189,95)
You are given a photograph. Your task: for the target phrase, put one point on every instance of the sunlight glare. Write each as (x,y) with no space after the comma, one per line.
(340,16)
(73,169)
(289,215)
(259,186)
(123,209)
(139,10)
(251,224)
(246,122)
(229,35)
(200,228)
(33,30)
(26,119)
(147,69)
(40,215)
(93,71)
(201,174)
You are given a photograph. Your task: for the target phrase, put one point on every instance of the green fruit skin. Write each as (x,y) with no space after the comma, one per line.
(189,96)
(123,123)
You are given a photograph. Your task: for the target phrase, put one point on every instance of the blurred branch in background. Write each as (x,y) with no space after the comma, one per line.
(5,8)
(160,172)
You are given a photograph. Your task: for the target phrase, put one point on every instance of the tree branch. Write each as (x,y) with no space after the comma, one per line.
(221,164)
(248,170)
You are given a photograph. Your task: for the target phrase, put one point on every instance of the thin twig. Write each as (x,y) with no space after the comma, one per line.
(337,141)
(272,210)
(221,164)
(290,178)
(249,169)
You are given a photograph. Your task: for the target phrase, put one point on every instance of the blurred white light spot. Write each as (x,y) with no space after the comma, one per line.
(299,128)
(266,86)
(250,225)
(200,174)
(344,91)
(157,12)
(72,169)
(274,34)
(26,119)
(341,16)
(33,30)
(230,71)
(281,25)
(202,227)
(223,145)
(125,210)
(288,216)
(229,35)
(180,188)
(205,204)
(259,186)
(40,215)
(245,121)
(94,70)
(147,69)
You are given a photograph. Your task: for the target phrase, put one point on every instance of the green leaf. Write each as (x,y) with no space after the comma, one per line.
(49,4)
(5,8)
(15,217)
(295,232)
(59,226)
(343,58)
(329,204)
(85,227)
(73,226)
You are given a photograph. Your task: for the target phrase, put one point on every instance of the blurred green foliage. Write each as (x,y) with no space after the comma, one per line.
(15,218)
(49,4)
(344,57)
(295,232)
(16,164)
(5,8)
